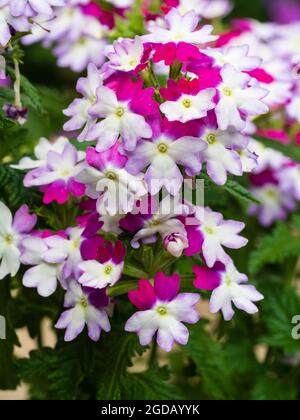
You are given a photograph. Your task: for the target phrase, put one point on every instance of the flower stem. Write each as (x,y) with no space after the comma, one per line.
(17,85)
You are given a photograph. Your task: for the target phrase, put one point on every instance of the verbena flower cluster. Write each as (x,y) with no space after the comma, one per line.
(164,108)
(154,114)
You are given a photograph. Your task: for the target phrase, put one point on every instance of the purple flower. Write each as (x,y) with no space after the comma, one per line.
(162,311)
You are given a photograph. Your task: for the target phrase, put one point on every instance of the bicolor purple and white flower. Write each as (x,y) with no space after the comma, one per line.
(57,179)
(12,231)
(41,151)
(7,21)
(237,100)
(122,114)
(180,28)
(78,110)
(212,234)
(163,156)
(162,219)
(162,311)
(65,249)
(103,266)
(26,8)
(228,286)
(108,181)
(125,54)
(275,204)
(222,154)
(45,273)
(86,307)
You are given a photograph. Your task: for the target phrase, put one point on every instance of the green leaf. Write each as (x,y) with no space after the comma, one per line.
(271,388)
(210,363)
(151,385)
(288,150)
(133,271)
(232,187)
(118,349)
(278,310)
(131,25)
(283,243)
(8,369)
(12,190)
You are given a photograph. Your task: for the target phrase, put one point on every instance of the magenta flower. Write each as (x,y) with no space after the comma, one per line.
(162,310)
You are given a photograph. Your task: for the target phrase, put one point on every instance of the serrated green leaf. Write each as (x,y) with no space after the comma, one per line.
(210,363)
(151,385)
(283,243)
(119,348)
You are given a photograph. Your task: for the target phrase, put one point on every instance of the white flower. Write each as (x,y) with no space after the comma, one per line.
(65,249)
(189,107)
(237,56)
(236,98)
(232,291)
(180,28)
(117,120)
(220,155)
(12,232)
(293,108)
(78,109)
(45,274)
(218,233)
(99,276)
(125,54)
(41,152)
(82,313)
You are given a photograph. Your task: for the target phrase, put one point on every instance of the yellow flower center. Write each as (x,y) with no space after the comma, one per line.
(83,302)
(111,175)
(9,239)
(209,230)
(211,138)
(162,310)
(227,91)
(108,269)
(120,111)
(162,148)
(228,280)
(187,103)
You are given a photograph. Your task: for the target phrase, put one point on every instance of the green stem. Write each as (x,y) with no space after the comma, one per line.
(17,85)
(152,357)
(175,70)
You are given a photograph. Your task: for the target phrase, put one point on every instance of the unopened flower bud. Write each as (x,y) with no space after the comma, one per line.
(175,244)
